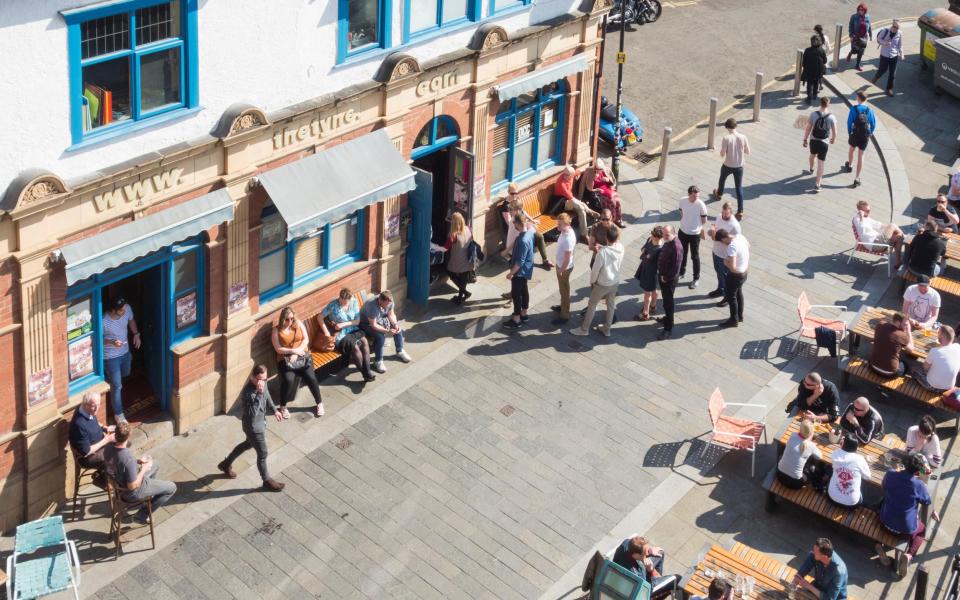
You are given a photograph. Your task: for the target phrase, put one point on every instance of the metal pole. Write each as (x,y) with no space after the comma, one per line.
(664,151)
(597,79)
(921,589)
(837,34)
(796,77)
(621,59)
(757,97)
(712,125)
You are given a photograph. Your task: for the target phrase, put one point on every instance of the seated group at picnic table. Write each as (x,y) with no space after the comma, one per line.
(841,475)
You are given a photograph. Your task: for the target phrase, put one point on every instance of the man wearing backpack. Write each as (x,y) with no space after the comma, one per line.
(891,51)
(821,125)
(861,123)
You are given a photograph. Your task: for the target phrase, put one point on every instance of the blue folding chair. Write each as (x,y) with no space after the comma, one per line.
(43,562)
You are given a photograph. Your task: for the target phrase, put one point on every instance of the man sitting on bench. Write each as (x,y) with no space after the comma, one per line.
(862,421)
(636,555)
(890,339)
(921,303)
(924,253)
(563,188)
(849,471)
(817,399)
(939,372)
(904,492)
(829,572)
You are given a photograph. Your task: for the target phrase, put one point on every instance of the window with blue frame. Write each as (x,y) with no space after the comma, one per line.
(129,62)
(286,265)
(502,5)
(436,135)
(527,136)
(425,16)
(364,25)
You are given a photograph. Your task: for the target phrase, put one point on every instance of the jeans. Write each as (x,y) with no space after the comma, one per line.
(116,369)
(258,441)
(721,269)
(519,294)
(379,339)
(563,283)
(737,173)
(887,64)
(288,381)
(691,247)
(666,292)
(598,293)
(156,489)
(734,294)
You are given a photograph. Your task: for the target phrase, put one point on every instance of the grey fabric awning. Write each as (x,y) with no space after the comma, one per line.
(331,184)
(122,244)
(535,80)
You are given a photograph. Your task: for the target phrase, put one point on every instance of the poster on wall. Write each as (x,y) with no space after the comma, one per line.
(237,298)
(80,357)
(479,185)
(78,319)
(392,225)
(186,310)
(462,184)
(40,387)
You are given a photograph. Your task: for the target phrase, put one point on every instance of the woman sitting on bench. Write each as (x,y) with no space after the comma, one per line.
(796,468)
(343,315)
(904,492)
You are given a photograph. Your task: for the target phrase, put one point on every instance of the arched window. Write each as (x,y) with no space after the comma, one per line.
(435,135)
(528,136)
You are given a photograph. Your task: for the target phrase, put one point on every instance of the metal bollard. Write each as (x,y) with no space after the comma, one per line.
(796,77)
(837,34)
(664,152)
(757,97)
(922,578)
(712,125)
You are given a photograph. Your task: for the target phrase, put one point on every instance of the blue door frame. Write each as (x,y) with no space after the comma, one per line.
(420,201)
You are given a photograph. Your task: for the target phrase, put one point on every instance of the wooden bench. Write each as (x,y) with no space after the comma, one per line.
(312,324)
(941,284)
(535,203)
(860,520)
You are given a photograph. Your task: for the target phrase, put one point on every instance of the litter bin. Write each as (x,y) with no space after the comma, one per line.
(935,24)
(946,69)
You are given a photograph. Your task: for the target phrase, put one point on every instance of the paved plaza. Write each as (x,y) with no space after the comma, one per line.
(495,463)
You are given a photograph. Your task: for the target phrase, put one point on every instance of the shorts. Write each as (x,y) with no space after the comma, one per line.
(858,144)
(819,147)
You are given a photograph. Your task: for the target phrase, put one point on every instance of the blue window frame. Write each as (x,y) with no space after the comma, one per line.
(183,272)
(499,6)
(130,61)
(363,26)
(528,137)
(421,17)
(436,135)
(286,265)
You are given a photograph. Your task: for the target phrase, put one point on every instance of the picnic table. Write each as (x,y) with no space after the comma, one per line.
(882,455)
(953,246)
(771,578)
(870,316)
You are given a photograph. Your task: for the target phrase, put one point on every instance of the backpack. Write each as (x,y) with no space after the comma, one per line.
(821,127)
(861,125)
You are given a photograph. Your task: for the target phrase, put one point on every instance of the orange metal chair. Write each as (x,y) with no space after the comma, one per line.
(871,248)
(732,432)
(809,322)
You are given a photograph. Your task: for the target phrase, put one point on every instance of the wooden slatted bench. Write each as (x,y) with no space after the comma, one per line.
(859,520)
(762,562)
(321,359)
(941,284)
(535,203)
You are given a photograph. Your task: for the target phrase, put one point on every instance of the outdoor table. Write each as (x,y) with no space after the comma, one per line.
(882,455)
(870,316)
(767,584)
(953,246)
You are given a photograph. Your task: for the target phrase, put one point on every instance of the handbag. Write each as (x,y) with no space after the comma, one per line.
(859,43)
(295,362)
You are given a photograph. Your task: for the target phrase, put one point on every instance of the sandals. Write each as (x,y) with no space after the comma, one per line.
(642,317)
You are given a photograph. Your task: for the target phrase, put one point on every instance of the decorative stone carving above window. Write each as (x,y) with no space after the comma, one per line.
(397,66)
(238,118)
(489,36)
(31,188)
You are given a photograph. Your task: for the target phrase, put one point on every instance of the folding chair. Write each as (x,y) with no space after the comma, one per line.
(871,248)
(732,432)
(810,322)
(43,562)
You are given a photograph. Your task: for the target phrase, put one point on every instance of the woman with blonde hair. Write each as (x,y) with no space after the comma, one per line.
(458,256)
(795,468)
(514,208)
(290,342)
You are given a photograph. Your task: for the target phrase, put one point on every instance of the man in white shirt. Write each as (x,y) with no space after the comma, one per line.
(727,223)
(821,127)
(604,278)
(733,147)
(939,372)
(849,470)
(693,216)
(737,261)
(921,303)
(872,231)
(566,244)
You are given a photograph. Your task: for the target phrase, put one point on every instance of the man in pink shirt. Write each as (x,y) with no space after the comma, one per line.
(733,148)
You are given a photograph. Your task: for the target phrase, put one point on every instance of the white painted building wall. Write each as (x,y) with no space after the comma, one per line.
(268,53)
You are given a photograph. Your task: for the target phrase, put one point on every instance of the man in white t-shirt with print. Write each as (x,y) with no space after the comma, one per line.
(693,216)
(849,471)
(921,303)
(821,129)
(939,372)
(728,223)
(737,261)
(566,244)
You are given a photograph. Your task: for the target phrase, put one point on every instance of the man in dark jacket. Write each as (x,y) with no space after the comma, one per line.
(862,420)
(669,268)
(814,66)
(256,401)
(924,253)
(817,399)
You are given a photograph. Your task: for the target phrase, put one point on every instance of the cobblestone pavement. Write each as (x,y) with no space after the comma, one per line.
(492,464)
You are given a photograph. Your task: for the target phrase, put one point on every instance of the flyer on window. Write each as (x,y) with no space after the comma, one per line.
(78,319)
(80,357)
(186,310)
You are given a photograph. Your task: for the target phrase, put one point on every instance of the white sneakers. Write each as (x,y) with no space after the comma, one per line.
(403,356)
(378,367)
(320,410)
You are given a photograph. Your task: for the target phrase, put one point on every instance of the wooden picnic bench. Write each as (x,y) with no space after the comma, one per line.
(866,323)
(323,358)
(761,561)
(535,203)
(953,246)
(767,584)
(940,283)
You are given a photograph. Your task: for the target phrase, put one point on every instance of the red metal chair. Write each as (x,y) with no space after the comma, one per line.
(810,322)
(732,432)
(871,248)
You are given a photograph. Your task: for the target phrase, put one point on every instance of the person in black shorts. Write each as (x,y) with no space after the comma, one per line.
(821,127)
(861,123)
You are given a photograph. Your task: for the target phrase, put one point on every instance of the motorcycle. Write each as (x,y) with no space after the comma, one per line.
(636,11)
(630,130)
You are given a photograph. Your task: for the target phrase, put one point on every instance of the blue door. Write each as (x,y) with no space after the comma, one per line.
(155,339)
(420,201)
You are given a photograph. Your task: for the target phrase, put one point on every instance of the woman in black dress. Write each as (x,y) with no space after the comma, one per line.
(814,68)
(647,272)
